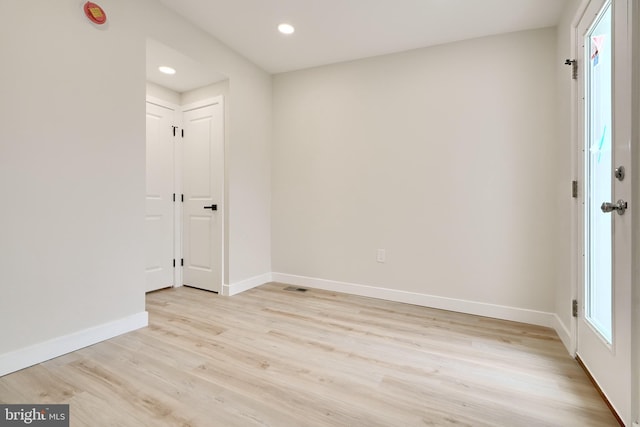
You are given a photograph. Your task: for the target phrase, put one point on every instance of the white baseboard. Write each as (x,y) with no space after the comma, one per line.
(565,335)
(463,306)
(38,353)
(245,285)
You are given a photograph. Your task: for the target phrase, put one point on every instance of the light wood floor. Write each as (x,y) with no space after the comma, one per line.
(270,357)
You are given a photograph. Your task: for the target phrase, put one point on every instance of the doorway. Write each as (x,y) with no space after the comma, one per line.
(604,296)
(185,195)
(185,166)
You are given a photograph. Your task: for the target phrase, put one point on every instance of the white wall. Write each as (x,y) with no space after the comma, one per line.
(163,93)
(72,164)
(209,91)
(443,156)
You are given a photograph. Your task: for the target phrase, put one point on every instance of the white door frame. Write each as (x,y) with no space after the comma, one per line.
(578,174)
(634,24)
(577,213)
(178,185)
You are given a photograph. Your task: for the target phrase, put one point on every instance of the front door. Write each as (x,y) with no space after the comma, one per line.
(203,183)
(604,321)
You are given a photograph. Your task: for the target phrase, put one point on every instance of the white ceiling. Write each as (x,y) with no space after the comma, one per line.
(329,31)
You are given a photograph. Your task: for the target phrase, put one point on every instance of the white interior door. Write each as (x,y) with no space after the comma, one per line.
(203,184)
(604,321)
(159,217)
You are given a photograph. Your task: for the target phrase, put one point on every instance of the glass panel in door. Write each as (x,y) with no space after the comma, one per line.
(598,132)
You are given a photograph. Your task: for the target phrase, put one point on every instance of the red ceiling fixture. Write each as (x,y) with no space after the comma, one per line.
(95,13)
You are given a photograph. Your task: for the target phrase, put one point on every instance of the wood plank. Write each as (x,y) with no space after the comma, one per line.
(269,357)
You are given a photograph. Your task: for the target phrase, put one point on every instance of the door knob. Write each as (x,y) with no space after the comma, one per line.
(212,207)
(620,206)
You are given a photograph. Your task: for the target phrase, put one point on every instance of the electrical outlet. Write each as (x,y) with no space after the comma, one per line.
(382,255)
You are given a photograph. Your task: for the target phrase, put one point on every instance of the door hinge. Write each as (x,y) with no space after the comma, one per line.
(574,308)
(574,68)
(574,189)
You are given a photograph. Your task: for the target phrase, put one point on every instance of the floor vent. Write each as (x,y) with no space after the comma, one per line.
(295,289)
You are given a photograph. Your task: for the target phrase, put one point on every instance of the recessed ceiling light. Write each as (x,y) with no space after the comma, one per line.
(167,70)
(286,28)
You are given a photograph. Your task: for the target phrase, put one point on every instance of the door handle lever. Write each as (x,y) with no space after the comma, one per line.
(620,206)
(212,207)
